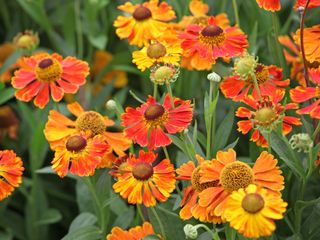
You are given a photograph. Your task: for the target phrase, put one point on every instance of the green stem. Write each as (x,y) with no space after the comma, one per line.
(311,164)
(314,135)
(215,235)
(97,204)
(159,222)
(208,146)
(57,106)
(276,36)
(140,212)
(269,142)
(256,86)
(235,10)
(136,97)
(166,152)
(170,94)
(155,90)
(79,29)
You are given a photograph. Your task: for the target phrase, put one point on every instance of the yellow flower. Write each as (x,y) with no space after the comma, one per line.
(252,210)
(157,52)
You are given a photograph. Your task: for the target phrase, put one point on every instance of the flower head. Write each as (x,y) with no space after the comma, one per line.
(215,39)
(252,211)
(11,170)
(149,124)
(44,74)
(80,154)
(269,79)
(144,183)
(145,21)
(8,122)
(270,5)
(26,40)
(233,175)
(265,116)
(59,128)
(135,233)
(245,65)
(161,74)
(157,52)
(302,3)
(189,203)
(199,11)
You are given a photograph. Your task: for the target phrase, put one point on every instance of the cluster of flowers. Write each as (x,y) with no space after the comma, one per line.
(223,189)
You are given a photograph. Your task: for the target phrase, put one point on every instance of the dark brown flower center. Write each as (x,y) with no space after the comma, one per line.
(45,63)
(211,31)
(236,175)
(156,50)
(142,171)
(141,13)
(252,203)
(315,64)
(76,143)
(92,121)
(154,111)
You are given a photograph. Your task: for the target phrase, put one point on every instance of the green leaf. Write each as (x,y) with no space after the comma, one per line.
(85,233)
(6,94)
(253,38)
(224,130)
(152,237)
(49,217)
(84,219)
(98,41)
(10,61)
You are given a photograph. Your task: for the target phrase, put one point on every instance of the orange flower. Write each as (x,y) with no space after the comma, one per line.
(80,153)
(311,42)
(214,40)
(44,74)
(144,125)
(59,128)
(269,79)
(302,3)
(136,233)
(270,5)
(266,115)
(157,52)
(6,50)
(199,11)
(302,94)
(189,203)
(144,183)
(100,60)
(8,122)
(11,170)
(233,175)
(146,21)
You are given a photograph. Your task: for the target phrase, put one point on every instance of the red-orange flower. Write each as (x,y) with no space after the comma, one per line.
(8,122)
(302,3)
(302,94)
(143,183)
(189,203)
(136,233)
(11,170)
(149,124)
(145,21)
(269,79)
(270,5)
(265,115)
(199,11)
(80,154)
(233,175)
(59,128)
(214,40)
(42,75)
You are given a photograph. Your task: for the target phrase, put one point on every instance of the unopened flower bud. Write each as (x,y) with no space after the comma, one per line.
(190,231)
(164,74)
(27,40)
(214,77)
(111,105)
(245,66)
(300,10)
(301,142)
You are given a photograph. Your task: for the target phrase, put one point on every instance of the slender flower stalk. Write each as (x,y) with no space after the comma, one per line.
(256,86)
(236,14)
(276,37)
(170,93)
(159,222)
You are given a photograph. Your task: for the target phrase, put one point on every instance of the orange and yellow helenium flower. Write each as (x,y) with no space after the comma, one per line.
(149,124)
(143,183)
(189,203)
(301,94)
(157,52)
(42,75)
(59,128)
(11,171)
(270,5)
(80,153)
(269,79)
(199,11)
(233,175)
(252,211)
(146,21)
(135,233)
(266,115)
(214,40)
